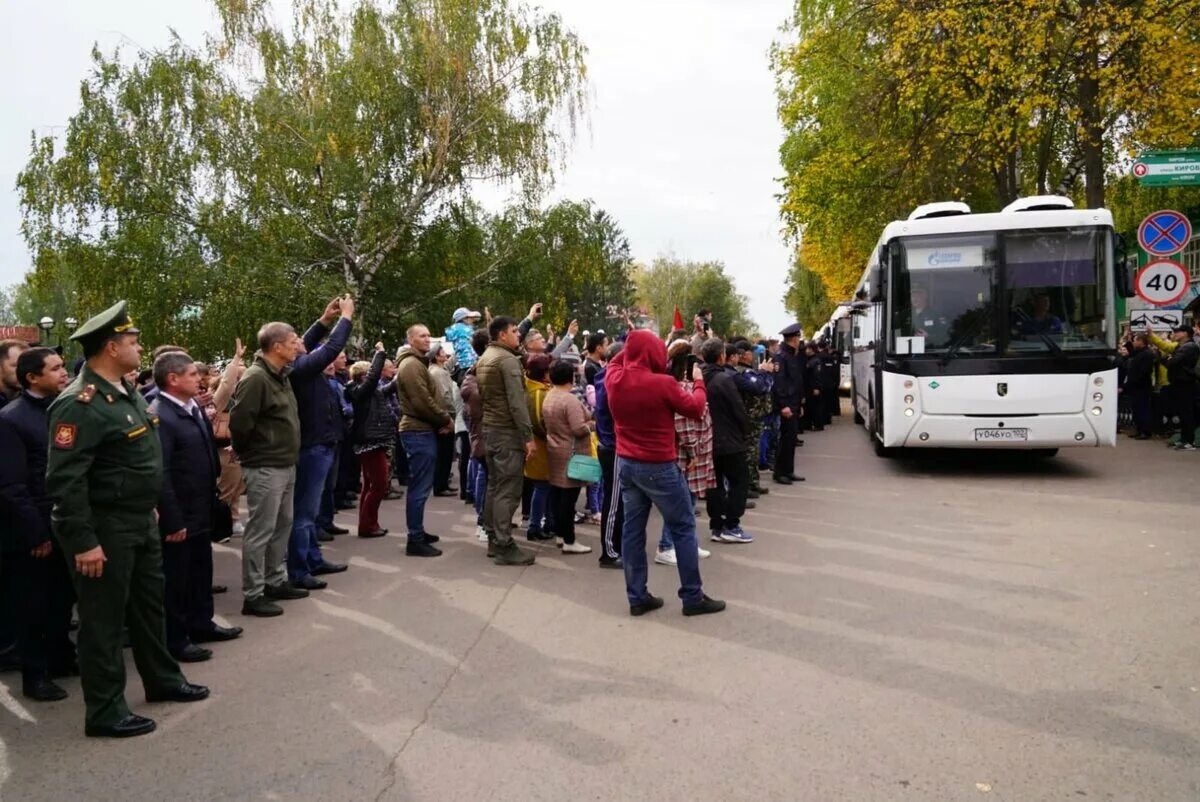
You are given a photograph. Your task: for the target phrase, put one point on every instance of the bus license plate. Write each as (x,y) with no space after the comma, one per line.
(985,435)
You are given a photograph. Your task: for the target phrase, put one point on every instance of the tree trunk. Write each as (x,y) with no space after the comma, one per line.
(1091,117)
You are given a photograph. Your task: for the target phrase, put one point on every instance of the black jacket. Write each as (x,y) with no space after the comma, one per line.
(374,419)
(1181,365)
(789,381)
(730,420)
(812,374)
(24,443)
(190,470)
(1139,370)
(317,405)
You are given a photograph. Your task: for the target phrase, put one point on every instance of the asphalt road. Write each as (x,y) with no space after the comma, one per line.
(954,627)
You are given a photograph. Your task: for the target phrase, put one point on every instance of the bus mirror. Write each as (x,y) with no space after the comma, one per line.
(875,285)
(1126,265)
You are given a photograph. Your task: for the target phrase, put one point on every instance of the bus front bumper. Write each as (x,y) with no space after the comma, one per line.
(1024,432)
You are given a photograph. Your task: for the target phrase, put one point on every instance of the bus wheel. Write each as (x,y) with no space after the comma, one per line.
(882,451)
(858,418)
(1045,453)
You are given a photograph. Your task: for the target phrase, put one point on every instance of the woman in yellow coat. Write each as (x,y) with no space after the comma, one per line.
(537,467)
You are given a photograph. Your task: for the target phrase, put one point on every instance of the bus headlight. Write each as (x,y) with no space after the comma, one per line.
(1079,436)
(1097,396)
(1098,381)
(908,399)
(908,412)
(1097,411)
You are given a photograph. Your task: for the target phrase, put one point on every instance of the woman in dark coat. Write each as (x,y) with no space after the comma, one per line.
(373,434)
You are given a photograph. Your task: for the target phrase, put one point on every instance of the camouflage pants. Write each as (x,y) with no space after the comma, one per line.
(753,441)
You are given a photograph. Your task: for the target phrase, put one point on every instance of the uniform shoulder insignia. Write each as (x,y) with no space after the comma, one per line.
(86,394)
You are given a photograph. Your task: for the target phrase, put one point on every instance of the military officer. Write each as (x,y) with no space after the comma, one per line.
(104,474)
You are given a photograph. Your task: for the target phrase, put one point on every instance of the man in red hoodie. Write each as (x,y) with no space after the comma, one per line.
(643,400)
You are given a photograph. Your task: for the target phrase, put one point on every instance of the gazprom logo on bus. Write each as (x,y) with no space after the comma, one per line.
(941,258)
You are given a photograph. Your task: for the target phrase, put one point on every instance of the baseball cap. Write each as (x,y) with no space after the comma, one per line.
(462,313)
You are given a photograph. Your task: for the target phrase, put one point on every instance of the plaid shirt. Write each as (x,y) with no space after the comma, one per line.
(694,445)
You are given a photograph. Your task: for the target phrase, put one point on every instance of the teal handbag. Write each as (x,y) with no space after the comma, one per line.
(584,468)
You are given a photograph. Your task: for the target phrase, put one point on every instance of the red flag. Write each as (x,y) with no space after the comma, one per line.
(678,322)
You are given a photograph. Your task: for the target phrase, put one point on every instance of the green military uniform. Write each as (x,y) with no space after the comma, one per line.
(759,407)
(104,472)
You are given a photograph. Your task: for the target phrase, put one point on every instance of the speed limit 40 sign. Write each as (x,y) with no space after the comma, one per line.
(1162,282)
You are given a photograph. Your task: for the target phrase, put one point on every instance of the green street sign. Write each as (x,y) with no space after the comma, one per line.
(1168,168)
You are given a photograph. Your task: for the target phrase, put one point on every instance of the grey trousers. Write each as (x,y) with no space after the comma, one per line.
(267,529)
(506,475)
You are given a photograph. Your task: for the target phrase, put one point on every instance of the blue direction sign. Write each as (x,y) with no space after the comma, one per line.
(1164,233)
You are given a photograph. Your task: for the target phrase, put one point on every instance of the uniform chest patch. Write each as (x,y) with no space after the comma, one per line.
(64,435)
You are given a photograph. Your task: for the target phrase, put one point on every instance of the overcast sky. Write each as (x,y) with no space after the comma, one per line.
(680,144)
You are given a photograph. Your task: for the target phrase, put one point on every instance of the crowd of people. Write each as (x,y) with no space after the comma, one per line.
(115,485)
(1159,381)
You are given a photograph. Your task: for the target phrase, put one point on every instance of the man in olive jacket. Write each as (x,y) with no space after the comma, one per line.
(423,417)
(508,437)
(265,427)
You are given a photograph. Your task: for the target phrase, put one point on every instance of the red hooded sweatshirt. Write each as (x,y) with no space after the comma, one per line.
(643,399)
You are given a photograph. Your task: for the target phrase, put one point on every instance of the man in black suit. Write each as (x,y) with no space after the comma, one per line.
(185,508)
(789,393)
(34,578)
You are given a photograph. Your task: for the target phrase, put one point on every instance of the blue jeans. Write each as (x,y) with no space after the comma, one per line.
(327,510)
(421,450)
(479,487)
(539,507)
(662,485)
(304,550)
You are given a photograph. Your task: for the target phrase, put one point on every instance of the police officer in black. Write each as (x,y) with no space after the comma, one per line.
(104,473)
(789,403)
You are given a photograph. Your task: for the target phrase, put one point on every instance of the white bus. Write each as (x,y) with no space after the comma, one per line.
(990,330)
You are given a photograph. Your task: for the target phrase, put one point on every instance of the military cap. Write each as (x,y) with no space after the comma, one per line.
(112,321)
(793,330)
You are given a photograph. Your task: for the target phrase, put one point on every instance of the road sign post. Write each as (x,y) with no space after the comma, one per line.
(1162,283)
(1168,168)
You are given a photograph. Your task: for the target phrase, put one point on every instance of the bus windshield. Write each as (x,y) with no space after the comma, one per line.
(1000,293)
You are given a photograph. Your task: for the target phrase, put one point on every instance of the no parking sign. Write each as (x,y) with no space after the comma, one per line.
(1164,233)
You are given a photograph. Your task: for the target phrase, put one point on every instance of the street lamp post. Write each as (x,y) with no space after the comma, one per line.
(46,324)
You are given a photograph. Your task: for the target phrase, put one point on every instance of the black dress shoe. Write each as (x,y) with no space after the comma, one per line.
(344,507)
(43,690)
(419,548)
(751,505)
(431,538)
(183,692)
(219,589)
(192,654)
(372,532)
(216,634)
(763,491)
(796,478)
(310,583)
(284,592)
(324,537)
(444,493)
(127,727)
(649,605)
(611,562)
(752,493)
(261,608)
(336,530)
(782,480)
(329,568)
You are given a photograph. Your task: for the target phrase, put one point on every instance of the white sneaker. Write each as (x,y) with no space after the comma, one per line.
(576,548)
(238,529)
(481,534)
(666,557)
(703,552)
(558,541)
